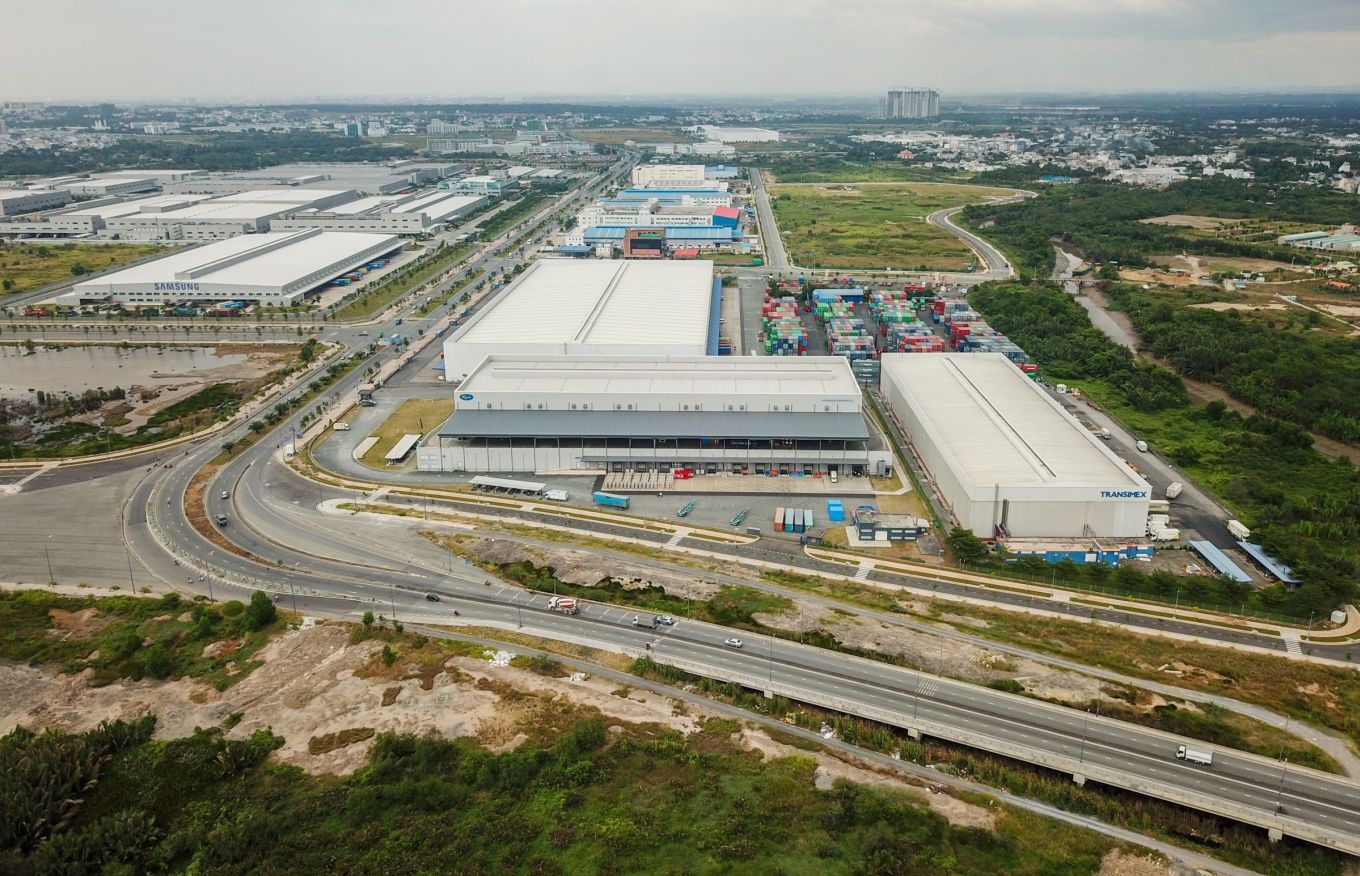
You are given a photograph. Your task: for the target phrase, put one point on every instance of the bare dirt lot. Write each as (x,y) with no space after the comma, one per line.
(328,698)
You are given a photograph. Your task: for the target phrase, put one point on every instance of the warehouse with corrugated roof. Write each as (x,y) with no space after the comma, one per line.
(594,308)
(706,414)
(1006,459)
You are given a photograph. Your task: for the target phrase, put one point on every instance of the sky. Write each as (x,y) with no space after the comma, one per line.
(244,50)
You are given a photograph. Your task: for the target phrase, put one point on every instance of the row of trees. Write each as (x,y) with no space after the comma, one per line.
(1303,377)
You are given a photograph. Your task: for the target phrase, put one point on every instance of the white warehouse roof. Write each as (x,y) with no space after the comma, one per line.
(561,306)
(999,427)
(286,195)
(272,266)
(693,376)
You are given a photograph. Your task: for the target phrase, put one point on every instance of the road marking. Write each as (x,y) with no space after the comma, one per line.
(865,567)
(1291,643)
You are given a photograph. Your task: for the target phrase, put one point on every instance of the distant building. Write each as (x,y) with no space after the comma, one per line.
(463,144)
(719,134)
(13,203)
(912,103)
(669,175)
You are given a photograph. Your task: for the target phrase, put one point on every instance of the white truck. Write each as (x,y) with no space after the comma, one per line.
(564,605)
(1142,446)
(1239,530)
(1194,755)
(1173,489)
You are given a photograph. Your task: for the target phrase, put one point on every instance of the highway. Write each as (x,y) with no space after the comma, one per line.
(340,566)
(776,259)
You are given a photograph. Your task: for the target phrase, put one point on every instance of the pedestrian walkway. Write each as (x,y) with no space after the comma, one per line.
(864,569)
(1291,643)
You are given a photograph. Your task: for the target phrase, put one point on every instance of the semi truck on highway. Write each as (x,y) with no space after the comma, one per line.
(1194,755)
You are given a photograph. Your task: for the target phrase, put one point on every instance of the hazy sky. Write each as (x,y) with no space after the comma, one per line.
(241,49)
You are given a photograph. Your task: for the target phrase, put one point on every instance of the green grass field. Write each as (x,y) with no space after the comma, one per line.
(417,415)
(873,225)
(28,266)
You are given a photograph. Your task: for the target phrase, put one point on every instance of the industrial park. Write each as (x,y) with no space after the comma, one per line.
(942,468)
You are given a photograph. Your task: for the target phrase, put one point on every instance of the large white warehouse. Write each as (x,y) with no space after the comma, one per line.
(709,414)
(276,268)
(594,308)
(1008,460)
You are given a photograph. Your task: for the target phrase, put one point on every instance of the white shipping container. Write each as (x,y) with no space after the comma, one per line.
(1174,489)
(1239,530)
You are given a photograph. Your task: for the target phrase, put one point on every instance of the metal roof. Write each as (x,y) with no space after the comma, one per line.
(507,484)
(998,427)
(1220,561)
(402,447)
(673,232)
(569,302)
(817,376)
(1269,563)
(473,423)
(273,259)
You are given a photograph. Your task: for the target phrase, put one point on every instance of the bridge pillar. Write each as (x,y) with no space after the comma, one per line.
(1274,834)
(1079,779)
(914,734)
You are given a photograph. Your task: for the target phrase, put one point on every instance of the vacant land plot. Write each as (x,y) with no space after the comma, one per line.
(874,225)
(31,266)
(415,416)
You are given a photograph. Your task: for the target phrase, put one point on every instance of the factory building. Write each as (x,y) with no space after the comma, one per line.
(720,134)
(369,178)
(656,413)
(92,217)
(703,237)
(107,185)
(708,196)
(649,212)
(669,176)
(248,212)
(276,268)
(481,186)
(412,214)
(600,308)
(1006,459)
(15,202)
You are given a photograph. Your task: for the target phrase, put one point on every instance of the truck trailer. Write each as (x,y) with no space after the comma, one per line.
(611,499)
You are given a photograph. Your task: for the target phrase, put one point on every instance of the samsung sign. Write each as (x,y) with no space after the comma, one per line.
(1123,494)
(175,287)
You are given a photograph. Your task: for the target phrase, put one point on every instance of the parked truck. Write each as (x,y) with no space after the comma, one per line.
(1195,755)
(1239,530)
(611,499)
(1173,489)
(564,605)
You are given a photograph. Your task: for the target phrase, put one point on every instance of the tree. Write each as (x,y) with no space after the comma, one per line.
(228,446)
(368,619)
(968,548)
(261,612)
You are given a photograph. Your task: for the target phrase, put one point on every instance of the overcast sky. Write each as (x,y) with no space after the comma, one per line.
(283,49)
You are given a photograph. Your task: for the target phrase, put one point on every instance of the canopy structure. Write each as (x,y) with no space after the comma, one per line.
(1219,560)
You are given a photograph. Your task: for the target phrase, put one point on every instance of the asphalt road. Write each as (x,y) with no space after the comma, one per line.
(350,566)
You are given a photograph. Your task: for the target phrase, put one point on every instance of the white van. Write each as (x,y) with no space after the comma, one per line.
(341,427)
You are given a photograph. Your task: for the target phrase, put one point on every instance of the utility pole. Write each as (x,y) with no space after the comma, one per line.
(51,579)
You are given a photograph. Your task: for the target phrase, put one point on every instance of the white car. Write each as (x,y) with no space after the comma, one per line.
(733,643)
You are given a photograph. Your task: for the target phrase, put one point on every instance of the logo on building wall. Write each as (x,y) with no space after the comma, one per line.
(467,396)
(1123,494)
(175,287)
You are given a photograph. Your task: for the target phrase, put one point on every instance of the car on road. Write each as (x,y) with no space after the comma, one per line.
(224,495)
(733,643)
(432,597)
(364,333)
(221,520)
(666,620)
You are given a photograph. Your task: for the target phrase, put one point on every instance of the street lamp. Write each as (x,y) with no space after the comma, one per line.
(51,579)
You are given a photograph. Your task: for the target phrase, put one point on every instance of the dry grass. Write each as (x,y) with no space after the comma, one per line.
(415,416)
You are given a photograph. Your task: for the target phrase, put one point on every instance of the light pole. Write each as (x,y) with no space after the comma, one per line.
(394,602)
(51,579)
(770,641)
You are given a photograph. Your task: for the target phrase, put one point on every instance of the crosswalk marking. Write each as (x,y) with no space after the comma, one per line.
(863,571)
(1291,643)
